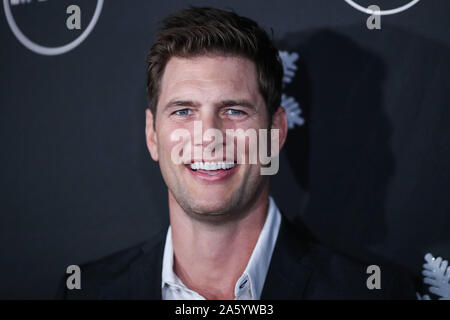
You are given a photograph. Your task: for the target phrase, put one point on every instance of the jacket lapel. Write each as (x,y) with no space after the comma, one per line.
(289,270)
(143,278)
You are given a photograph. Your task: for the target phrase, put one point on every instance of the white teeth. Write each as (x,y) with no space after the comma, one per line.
(212,165)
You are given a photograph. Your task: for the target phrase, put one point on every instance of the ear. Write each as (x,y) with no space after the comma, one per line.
(279,121)
(150,135)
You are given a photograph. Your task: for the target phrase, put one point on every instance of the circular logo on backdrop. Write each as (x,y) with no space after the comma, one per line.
(404,7)
(51,27)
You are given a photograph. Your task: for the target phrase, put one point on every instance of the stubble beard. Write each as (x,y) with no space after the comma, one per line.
(235,207)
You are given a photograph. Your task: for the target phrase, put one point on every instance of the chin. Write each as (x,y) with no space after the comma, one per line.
(210,206)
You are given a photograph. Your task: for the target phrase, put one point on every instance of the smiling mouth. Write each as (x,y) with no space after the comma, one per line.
(211,168)
(211,171)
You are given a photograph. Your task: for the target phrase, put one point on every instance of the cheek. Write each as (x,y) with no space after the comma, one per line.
(174,144)
(249,136)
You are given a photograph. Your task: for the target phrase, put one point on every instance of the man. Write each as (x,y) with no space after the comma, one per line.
(227,238)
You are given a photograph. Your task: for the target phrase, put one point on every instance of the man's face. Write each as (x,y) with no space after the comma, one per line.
(218,92)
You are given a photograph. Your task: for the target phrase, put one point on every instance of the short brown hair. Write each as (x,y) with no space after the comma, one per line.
(204,30)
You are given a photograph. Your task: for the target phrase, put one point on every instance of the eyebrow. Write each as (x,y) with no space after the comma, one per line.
(221,104)
(232,103)
(175,103)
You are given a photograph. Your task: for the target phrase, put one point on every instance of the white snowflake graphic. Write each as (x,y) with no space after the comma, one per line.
(289,66)
(436,274)
(293,111)
(291,106)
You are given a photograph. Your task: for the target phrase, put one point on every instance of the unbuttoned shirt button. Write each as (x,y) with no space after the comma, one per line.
(243,284)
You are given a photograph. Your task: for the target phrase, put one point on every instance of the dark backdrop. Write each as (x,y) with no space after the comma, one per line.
(369,171)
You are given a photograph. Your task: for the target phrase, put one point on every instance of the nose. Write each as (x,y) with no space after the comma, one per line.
(211,120)
(208,131)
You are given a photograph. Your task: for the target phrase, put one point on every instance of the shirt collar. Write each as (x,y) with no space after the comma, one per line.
(254,274)
(168,276)
(259,262)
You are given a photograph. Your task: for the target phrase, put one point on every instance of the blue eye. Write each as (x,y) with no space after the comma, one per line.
(234,112)
(183,112)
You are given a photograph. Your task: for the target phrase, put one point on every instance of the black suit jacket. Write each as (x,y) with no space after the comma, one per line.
(300,268)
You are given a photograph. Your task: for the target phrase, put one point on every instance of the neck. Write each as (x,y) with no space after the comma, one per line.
(210,257)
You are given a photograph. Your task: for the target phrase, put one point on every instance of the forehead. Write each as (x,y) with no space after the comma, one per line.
(210,76)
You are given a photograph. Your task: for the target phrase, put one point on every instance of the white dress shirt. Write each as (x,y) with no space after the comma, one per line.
(250,284)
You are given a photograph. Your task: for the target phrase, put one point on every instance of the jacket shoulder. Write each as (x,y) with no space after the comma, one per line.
(98,277)
(309,269)
(337,275)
